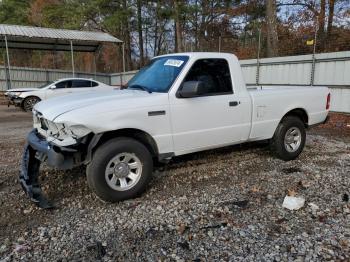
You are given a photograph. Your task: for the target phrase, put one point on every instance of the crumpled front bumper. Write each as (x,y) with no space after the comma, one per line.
(14,100)
(37,150)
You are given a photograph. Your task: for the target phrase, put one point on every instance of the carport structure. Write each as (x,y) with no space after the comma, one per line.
(39,38)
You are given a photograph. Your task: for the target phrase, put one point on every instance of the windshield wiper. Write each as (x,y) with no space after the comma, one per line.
(140,87)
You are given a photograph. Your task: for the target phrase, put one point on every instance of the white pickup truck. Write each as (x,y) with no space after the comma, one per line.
(178,104)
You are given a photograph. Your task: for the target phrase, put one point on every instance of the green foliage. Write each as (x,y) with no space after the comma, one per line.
(14,12)
(67,15)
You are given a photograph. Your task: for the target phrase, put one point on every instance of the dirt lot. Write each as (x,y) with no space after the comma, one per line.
(222,204)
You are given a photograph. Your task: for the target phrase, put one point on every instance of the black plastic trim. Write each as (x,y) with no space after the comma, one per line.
(94,141)
(156,113)
(165,156)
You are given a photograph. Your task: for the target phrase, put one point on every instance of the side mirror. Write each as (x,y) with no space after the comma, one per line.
(192,89)
(53,87)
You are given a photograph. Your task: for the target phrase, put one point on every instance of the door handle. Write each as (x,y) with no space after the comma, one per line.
(234,103)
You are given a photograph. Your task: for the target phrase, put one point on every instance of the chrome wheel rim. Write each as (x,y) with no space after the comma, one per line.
(292,139)
(123,171)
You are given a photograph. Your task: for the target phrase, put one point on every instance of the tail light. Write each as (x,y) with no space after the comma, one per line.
(328,104)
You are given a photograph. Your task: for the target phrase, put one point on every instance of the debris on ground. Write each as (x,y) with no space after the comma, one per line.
(313,207)
(293,203)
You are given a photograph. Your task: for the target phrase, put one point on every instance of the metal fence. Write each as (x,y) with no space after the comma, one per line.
(328,69)
(34,77)
(118,79)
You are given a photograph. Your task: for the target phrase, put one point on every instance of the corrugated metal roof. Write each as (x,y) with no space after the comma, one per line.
(57,34)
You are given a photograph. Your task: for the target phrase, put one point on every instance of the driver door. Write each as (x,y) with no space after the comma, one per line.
(213,119)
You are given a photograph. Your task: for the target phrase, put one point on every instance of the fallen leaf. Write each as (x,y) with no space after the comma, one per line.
(304,183)
(255,189)
(181,229)
(291,192)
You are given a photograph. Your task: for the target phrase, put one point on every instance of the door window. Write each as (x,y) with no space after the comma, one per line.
(81,83)
(215,75)
(64,84)
(93,84)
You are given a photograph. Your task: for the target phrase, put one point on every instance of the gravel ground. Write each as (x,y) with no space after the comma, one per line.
(217,205)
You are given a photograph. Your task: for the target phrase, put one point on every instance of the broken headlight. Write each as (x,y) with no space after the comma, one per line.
(76,131)
(61,131)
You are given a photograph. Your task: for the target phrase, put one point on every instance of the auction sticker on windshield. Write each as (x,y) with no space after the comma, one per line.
(173,62)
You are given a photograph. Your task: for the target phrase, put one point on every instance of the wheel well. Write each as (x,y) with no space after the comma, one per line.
(139,135)
(300,113)
(29,97)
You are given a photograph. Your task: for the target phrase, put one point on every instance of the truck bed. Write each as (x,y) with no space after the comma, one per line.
(270,104)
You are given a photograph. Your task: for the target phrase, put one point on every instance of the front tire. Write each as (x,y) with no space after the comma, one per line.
(289,138)
(29,102)
(120,169)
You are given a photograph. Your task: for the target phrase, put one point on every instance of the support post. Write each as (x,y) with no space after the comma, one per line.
(47,76)
(72,55)
(8,68)
(123,50)
(258,60)
(219,43)
(95,69)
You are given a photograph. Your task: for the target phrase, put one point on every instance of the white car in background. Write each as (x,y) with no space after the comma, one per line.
(26,98)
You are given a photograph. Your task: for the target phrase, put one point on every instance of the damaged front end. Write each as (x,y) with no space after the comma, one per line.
(13,99)
(38,150)
(29,178)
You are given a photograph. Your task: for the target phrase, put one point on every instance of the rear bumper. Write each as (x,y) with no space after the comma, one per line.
(321,123)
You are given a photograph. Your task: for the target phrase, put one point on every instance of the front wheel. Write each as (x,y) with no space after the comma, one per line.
(289,138)
(29,102)
(120,169)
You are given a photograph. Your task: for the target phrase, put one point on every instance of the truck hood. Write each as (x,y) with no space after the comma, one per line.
(99,100)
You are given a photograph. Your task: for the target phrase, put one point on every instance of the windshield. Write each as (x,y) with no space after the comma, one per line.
(159,74)
(45,85)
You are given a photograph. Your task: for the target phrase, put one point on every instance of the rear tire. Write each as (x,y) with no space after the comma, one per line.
(29,102)
(289,138)
(120,169)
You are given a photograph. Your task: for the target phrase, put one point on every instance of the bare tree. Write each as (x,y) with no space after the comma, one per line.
(321,19)
(140,33)
(330,17)
(272,36)
(127,39)
(178,27)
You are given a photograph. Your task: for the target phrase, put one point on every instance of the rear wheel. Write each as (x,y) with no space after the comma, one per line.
(29,103)
(289,138)
(120,169)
